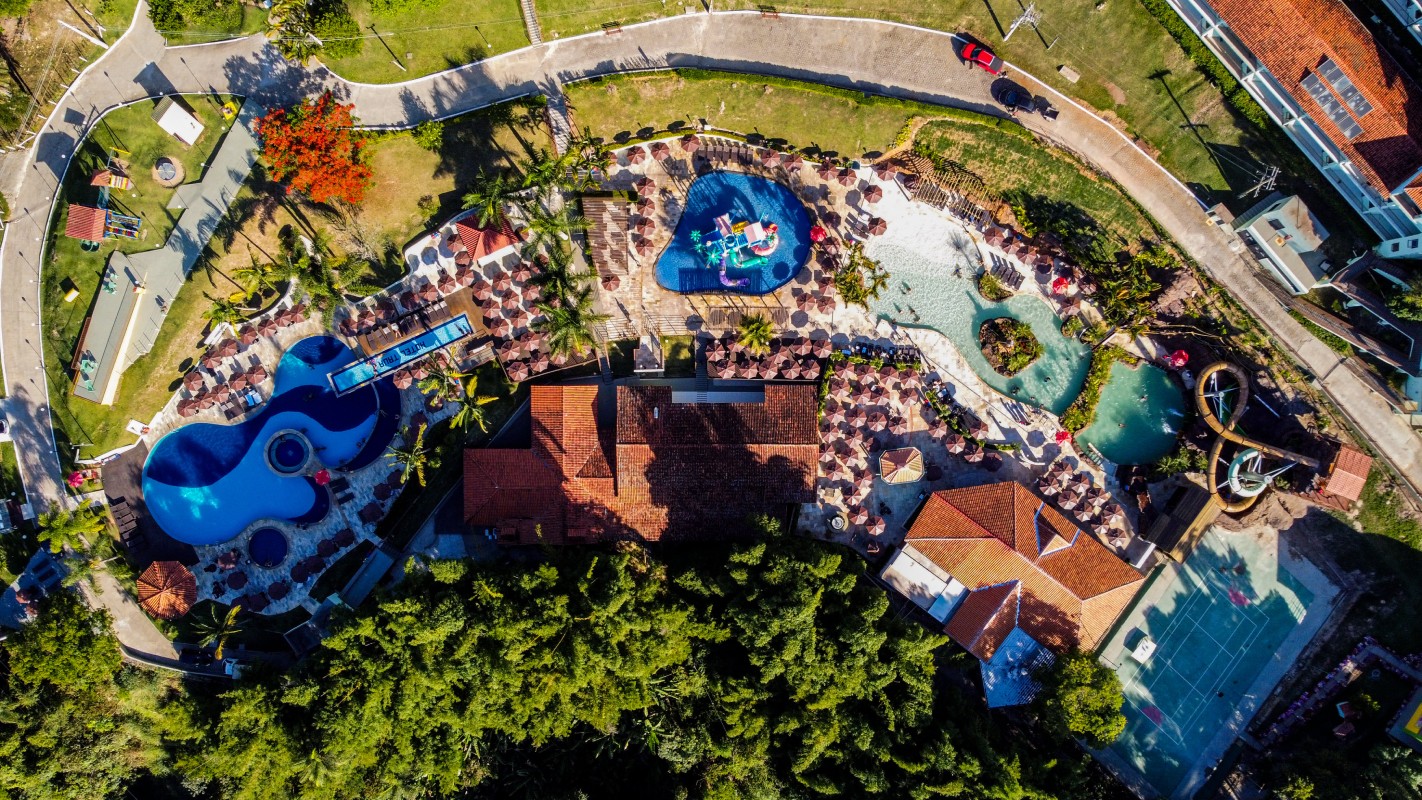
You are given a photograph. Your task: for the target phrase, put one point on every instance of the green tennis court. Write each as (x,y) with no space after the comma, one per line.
(1218,624)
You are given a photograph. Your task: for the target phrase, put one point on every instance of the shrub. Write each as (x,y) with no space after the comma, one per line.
(861,279)
(1072,325)
(1335,343)
(15,8)
(430,135)
(1083,409)
(1081,697)
(1183,459)
(992,289)
(336,28)
(1008,345)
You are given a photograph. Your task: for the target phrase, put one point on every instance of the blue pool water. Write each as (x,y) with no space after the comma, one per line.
(288,453)
(389,360)
(204,483)
(743,197)
(267,547)
(1138,417)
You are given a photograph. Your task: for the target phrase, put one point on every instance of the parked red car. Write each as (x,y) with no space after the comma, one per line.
(982,57)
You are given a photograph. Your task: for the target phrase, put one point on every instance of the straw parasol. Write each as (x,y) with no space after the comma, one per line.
(904,465)
(847,177)
(167,589)
(877,226)
(873,194)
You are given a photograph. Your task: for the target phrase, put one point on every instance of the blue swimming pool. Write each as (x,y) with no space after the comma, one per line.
(204,483)
(387,361)
(744,198)
(267,547)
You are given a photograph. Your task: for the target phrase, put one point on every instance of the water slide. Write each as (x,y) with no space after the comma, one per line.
(1243,478)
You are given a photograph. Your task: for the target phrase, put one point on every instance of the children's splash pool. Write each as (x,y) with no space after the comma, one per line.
(685,265)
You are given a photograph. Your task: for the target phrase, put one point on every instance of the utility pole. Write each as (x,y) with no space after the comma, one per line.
(1265,184)
(1030,15)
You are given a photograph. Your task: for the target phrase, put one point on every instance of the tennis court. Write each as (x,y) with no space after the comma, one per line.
(1225,627)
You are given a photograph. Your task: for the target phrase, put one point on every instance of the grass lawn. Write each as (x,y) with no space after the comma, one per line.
(149,381)
(1010,163)
(429,37)
(679,356)
(806,115)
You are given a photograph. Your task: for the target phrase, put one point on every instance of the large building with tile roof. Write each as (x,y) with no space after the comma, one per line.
(1011,580)
(1337,93)
(661,467)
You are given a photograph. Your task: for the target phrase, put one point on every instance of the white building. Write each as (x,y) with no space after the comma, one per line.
(1338,95)
(175,119)
(1284,237)
(1410,12)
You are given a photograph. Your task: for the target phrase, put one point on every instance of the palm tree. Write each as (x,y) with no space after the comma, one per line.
(223,310)
(471,410)
(213,629)
(551,229)
(414,457)
(557,278)
(489,196)
(257,278)
(442,380)
(543,170)
(755,332)
(568,325)
(70,529)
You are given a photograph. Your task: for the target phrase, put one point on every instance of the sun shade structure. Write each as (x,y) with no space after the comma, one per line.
(167,589)
(904,465)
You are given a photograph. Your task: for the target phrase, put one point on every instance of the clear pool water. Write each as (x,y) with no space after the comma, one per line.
(744,198)
(932,287)
(204,483)
(288,453)
(387,361)
(1139,416)
(267,547)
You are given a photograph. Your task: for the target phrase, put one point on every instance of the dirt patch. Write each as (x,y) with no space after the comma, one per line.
(1118,95)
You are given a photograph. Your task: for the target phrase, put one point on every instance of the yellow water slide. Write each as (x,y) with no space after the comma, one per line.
(1224,432)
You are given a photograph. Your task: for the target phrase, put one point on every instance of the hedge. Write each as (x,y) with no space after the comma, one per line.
(1082,411)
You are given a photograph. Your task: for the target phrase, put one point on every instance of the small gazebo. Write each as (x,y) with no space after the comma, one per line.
(167,590)
(904,465)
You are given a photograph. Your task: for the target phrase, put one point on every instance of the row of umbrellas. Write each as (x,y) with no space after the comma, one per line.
(248,334)
(204,398)
(538,361)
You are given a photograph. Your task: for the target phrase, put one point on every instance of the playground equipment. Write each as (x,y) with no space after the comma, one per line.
(1247,476)
(739,245)
(92,224)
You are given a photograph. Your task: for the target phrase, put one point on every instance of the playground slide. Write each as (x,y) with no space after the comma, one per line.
(1224,431)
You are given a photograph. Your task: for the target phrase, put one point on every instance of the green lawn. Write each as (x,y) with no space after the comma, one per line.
(679,356)
(429,37)
(149,382)
(806,115)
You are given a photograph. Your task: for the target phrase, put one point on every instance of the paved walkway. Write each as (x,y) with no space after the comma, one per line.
(858,54)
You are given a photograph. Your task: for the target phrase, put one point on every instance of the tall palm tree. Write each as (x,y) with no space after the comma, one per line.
(471,409)
(569,324)
(489,196)
(257,278)
(70,529)
(557,279)
(223,310)
(414,457)
(213,629)
(551,229)
(442,381)
(543,171)
(755,332)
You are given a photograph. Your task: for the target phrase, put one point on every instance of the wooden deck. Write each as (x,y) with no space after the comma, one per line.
(413,323)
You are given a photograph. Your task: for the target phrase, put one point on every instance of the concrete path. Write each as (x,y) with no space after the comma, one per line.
(871,56)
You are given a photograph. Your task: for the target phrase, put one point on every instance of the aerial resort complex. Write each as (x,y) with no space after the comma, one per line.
(603,400)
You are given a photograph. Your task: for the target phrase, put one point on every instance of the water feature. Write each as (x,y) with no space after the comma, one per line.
(1138,417)
(267,547)
(745,198)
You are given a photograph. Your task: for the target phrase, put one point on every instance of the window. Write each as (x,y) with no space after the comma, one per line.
(1276,224)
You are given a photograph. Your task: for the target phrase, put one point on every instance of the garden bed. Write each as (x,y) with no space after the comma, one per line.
(1008,345)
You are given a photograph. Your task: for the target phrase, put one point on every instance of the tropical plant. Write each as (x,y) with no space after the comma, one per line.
(992,289)
(551,229)
(556,276)
(257,278)
(62,529)
(430,135)
(314,147)
(1082,697)
(413,458)
(443,381)
(755,332)
(489,197)
(861,279)
(1407,304)
(289,27)
(471,408)
(223,310)
(213,628)
(569,324)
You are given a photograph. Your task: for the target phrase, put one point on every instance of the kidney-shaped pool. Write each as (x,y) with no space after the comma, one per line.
(204,483)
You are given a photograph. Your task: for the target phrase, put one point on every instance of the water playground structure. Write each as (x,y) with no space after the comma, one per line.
(736,246)
(1255,464)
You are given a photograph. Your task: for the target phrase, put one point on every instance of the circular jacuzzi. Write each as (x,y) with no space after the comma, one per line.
(267,547)
(288,452)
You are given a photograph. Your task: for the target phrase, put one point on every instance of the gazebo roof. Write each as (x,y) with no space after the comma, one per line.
(167,589)
(904,465)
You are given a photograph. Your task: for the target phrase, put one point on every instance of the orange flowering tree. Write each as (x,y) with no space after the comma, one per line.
(314,149)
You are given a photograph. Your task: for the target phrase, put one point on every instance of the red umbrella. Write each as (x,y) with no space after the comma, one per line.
(517,371)
(794,162)
(257,374)
(402,379)
(726,371)
(1060,285)
(818,234)
(644,185)
(1063,437)
(877,226)
(611,282)
(483,290)
(847,177)
(523,271)
(500,327)
(502,282)
(636,155)
(447,283)
(193,380)
(858,515)
(322,477)
(530,292)
(645,226)
(248,334)
(884,170)
(690,143)
(237,580)
(187,407)
(1178,359)
(645,206)
(873,194)
(660,150)
(955,443)
(539,362)
(510,350)
(825,171)
(769,158)
(875,526)
(643,246)
(278,590)
(804,301)
(464,276)
(511,300)
(826,304)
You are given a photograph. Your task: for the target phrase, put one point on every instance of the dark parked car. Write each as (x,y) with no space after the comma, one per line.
(1016,99)
(982,57)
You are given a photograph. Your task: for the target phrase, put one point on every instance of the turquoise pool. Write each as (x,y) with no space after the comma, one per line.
(930,287)
(387,361)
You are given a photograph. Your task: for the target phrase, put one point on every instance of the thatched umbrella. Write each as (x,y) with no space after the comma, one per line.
(690,143)
(847,177)
(660,151)
(517,371)
(873,194)
(167,589)
(636,155)
(832,219)
(877,226)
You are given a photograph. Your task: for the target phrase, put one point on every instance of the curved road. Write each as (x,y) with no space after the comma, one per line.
(867,55)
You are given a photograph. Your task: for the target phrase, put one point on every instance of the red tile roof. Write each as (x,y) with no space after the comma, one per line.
(1349,473)
(1066,588)
(688,470)
(483,242)
(1292,37)
(85,222)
